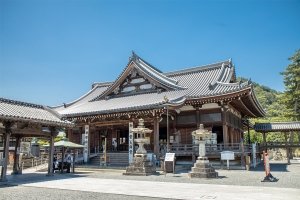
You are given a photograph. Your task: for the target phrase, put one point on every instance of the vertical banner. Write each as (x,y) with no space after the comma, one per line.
(254,154)
(130,142)
(86,142)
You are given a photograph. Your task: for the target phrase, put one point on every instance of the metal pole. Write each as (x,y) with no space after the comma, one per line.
(168,128)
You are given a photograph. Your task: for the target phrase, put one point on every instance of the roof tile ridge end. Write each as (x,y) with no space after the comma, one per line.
(53,112)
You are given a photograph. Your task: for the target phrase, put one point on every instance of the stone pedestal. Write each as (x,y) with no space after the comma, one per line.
(202,169)
(140,166)
(16,171)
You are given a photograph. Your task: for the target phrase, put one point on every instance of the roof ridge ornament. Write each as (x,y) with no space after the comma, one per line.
(133,56)
(166,98)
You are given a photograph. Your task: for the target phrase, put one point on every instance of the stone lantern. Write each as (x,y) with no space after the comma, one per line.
(141,139)
(141,164)
(199,136)
(202,168)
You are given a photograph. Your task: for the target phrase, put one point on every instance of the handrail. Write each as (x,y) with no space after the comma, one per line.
(215,148)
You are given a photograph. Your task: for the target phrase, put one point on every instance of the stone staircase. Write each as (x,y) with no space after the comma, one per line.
(115,159)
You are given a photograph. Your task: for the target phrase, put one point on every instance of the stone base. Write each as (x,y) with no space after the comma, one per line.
(202,169)
(140,166)
(19,171)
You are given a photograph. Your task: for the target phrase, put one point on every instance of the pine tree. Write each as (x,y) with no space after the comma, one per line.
(291,95)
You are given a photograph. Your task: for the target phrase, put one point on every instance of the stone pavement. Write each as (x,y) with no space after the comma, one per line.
(152,189)
(170,190)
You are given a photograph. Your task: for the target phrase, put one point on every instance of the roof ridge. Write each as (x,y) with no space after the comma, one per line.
(21,103)
(197,68)
(102,84)
(134,55)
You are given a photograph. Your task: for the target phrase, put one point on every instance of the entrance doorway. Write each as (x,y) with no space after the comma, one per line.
(123,135)
(219,131)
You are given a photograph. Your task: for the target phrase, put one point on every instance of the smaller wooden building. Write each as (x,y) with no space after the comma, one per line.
(20,120)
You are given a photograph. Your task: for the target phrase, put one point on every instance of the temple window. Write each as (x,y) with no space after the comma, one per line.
(137,80)
(146,86)
(212,117)
(128,89)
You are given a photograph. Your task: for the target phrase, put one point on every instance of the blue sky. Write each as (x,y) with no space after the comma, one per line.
(52,51)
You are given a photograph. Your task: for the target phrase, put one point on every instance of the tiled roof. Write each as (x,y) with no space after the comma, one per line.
(125,103)
(277,126)
(17,110)
(143,68)
(97,88)
(198,82)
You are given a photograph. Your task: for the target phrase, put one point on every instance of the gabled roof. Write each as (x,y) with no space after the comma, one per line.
(277,126)
(138,65)
(23,111)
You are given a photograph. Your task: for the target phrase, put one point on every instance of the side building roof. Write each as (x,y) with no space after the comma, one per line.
(12,110)
(277,126)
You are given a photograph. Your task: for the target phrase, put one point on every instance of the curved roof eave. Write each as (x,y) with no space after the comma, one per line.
(94,87)
(173,103)
(256,103)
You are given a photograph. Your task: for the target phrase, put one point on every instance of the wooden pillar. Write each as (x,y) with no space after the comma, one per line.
(225,129)
(16,159)
(291,141)
(231,136)
(70,134)
(264,139)
(156,137)
(287,149)
(7,134)
(243,162)
(198,116)
(80,135)
(51,151)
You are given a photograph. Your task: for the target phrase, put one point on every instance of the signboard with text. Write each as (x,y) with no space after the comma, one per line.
(227,155)
(86,140)
(170,157)
(130,142)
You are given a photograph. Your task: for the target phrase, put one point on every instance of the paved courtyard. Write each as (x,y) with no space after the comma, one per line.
(111,184)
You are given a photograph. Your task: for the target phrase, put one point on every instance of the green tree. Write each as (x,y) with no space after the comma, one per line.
(290,98)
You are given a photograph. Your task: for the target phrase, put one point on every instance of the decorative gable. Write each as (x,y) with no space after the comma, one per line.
(139,77)
(135,81)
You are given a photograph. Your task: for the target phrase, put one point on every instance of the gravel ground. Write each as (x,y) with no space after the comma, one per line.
(288,177)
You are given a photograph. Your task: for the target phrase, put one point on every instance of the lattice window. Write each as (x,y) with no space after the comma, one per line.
(186,119)
(212,117)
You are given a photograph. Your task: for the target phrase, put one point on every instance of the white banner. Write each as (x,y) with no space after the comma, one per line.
(130,142)
(86,142)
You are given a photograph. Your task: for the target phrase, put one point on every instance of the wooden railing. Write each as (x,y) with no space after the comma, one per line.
(186,149)
(281,145)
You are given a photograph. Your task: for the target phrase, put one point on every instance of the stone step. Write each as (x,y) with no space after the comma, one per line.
(115,158)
